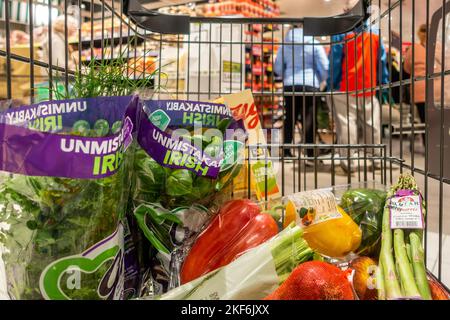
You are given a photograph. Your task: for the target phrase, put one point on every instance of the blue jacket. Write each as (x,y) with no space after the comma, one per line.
(336,57)
(289,61)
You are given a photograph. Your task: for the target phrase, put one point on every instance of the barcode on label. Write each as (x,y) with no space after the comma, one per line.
(407,225)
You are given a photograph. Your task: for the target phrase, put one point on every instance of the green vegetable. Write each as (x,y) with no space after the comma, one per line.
(202,187)
(224,124)
(380,282)
(404,268)
(404,273)
(81,128)
(156,224)
(149,178)
(200,141)
(115,128)
(53,218)
(409,253)
(101,128)
(213,150)
(289,250)
(106,78)
(179,183)
(391,283)
(420,273)
(177,187)
(180,186)
(365,207)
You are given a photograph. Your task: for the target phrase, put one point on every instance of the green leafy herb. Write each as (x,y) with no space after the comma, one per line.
(179,183)
(156,223)
(52,218)
(43,219)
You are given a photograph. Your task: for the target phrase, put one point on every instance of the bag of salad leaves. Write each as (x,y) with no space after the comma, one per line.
(170,234)
(62,210)
(190,151)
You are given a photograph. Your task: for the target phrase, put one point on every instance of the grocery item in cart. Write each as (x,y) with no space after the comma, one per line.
(62,223)
(239,226)
(190,151)
(170,233)
(328,229)
(365,206)
(254,275)
(364,279)
(402,273)
(314,280)
(262,170)
(189,155)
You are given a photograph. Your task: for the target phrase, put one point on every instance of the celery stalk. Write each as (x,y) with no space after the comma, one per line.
(408,258)
(408,252)
(387,259)
(289,251)
(380,282)
(404,268)
(419,266)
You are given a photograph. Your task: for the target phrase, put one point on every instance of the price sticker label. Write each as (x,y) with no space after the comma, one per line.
(406,212)
(314,207)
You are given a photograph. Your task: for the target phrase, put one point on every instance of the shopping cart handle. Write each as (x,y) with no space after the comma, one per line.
(154,20)
(343,23)
(180,24)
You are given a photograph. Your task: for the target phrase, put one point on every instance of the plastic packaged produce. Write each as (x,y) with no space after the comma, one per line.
(365,207)
(62,223)
(253,275)
(185,158)
(238,227)
(170,234)
(402,272)
(327,227)
(186,155)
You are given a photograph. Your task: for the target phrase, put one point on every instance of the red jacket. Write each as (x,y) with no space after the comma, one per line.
(359,64)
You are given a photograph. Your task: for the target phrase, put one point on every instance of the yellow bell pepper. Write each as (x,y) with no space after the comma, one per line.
(333,238)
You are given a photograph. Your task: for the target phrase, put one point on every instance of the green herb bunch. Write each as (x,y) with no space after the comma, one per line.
(43,219)
(109,77)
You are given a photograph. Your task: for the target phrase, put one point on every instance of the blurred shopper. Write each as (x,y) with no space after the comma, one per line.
(59,43)
(303,64)
(355,60)
(418,62)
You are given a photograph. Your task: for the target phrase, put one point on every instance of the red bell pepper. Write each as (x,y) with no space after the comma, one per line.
(238,226)
(260,229)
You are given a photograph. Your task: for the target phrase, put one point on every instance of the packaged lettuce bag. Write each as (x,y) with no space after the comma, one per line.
(189,152)
(62,210)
